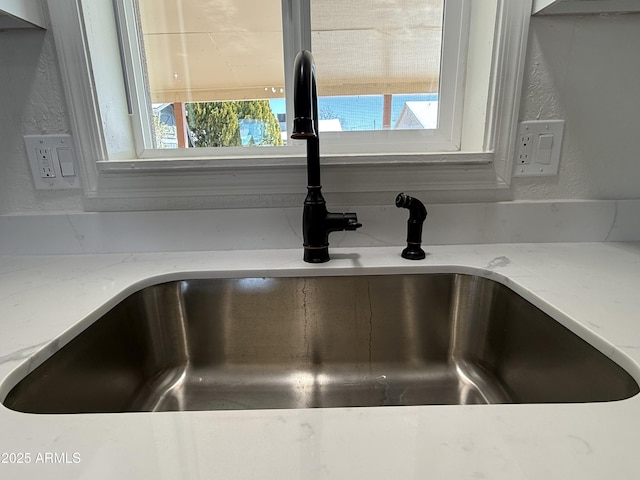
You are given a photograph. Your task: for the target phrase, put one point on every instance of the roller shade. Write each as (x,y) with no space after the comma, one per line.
(210,50)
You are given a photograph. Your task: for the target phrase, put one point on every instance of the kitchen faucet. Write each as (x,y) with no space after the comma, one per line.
(317,222)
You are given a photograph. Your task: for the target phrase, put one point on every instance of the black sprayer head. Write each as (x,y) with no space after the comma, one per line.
(416,208)
(417,215)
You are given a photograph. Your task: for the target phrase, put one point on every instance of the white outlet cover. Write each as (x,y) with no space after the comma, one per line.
(52,142)
(539,165)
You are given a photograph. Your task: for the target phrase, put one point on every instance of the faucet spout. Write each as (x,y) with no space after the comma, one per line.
(305,97)
(305,108)
(317,222)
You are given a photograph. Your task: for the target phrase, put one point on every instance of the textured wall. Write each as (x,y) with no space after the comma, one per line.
(586,70)
(31,102)
(582,69)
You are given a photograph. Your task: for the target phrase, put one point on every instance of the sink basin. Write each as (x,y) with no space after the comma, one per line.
(256,343)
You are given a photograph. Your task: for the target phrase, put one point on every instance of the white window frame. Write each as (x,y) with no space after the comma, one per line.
(447,136)
(114,168)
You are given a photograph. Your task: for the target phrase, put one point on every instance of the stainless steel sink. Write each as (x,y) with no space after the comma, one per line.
(255,343)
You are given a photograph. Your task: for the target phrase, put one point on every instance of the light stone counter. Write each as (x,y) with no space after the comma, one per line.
(592,288)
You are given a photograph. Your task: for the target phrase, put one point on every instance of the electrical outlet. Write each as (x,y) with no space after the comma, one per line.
(525,148)
(44,162)
(52,161)
(538,145)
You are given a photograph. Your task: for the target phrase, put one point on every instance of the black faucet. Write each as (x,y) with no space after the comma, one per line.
(417,215)
(317,222)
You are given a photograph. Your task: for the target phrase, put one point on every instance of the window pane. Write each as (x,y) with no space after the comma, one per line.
(378,62)
(203,51)
(379,69)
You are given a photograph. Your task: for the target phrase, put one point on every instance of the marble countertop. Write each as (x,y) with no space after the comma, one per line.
(592,288)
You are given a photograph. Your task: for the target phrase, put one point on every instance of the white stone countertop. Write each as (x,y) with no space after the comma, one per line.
(592,288)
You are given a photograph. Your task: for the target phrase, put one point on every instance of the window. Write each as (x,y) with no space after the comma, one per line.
(440,91)
(378,70)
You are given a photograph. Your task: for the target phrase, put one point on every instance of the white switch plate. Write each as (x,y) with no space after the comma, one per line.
(538,146)
(48,174)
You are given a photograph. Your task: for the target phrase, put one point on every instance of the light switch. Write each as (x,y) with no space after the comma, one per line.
(65,157)
(545,145)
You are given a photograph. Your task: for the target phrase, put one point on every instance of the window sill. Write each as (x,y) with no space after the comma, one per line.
(374,173)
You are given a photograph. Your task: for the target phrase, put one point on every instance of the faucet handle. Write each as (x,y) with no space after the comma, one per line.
(352,221)
(337,222)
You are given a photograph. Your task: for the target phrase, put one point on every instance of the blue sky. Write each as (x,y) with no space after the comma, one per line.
(363,112)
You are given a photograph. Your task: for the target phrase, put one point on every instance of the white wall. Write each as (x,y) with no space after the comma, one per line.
(582,69)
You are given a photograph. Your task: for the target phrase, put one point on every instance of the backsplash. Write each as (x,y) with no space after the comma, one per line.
(268,228)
